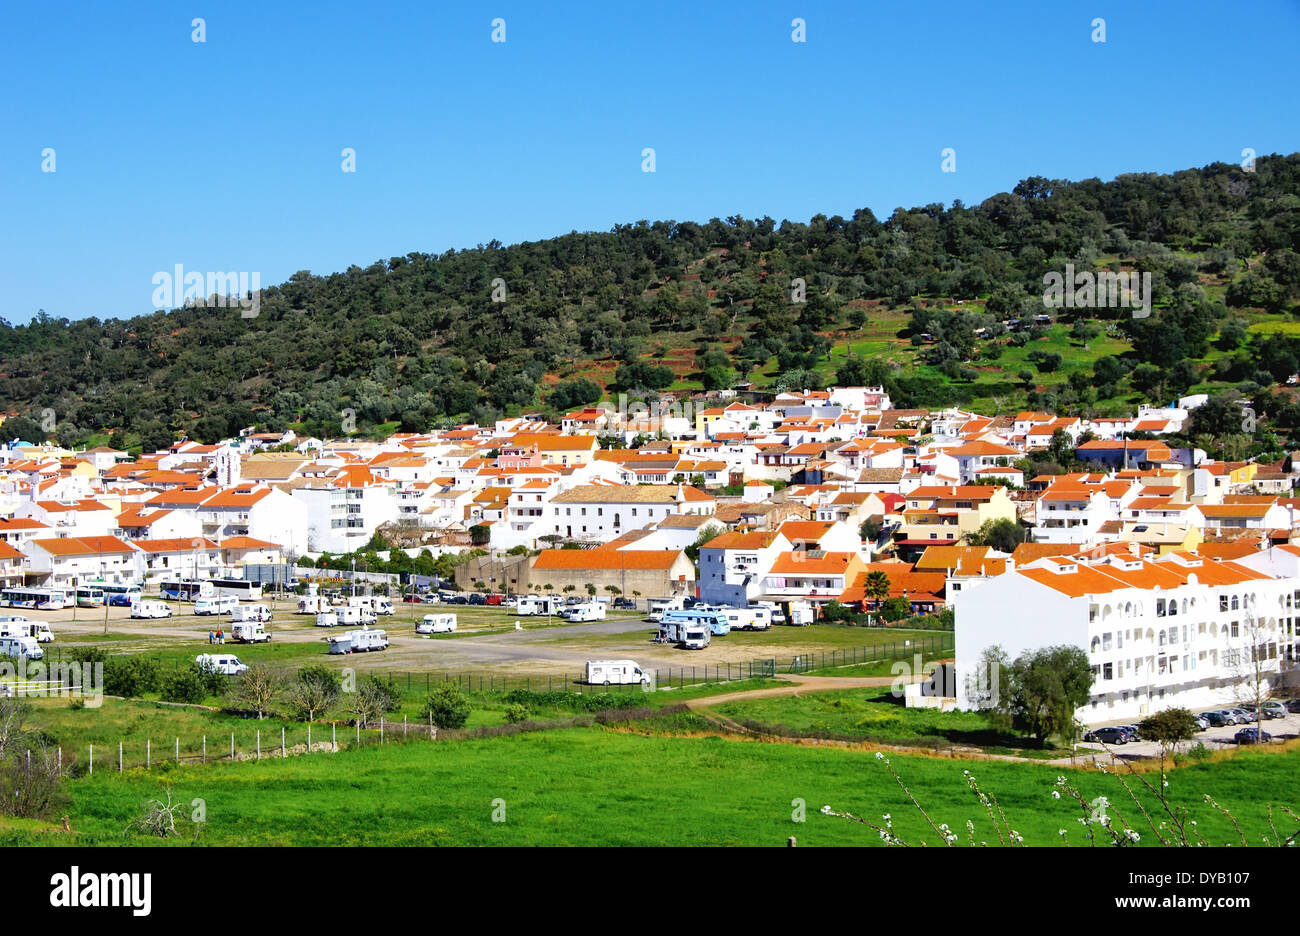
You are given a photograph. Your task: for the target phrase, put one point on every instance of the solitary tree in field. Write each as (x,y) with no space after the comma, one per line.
(259,686)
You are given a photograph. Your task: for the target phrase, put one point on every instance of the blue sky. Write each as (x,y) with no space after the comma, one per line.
(225,155)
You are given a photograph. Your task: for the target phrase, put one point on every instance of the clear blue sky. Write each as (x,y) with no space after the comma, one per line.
(226,155)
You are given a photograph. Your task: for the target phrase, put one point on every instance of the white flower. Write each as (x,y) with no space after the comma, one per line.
(1133,836)
(826,809)
(1060,832)
(879,756)
(1056,794)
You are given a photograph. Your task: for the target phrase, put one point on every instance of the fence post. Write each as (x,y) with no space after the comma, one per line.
(259,743)
(308,737)
(205,749)
(119,757)
(404,726)
(91,762)
(381,729)
(334,737)
(232,747)
(283,752)
(178,750)
(148,743)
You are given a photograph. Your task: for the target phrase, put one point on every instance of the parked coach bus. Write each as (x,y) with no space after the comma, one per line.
(185,590)
(120,596)
(242,589)
(42,599)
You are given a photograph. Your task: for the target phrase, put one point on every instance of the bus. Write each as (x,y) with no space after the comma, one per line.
(89,596)
(242,589)
(42,599)
(185,590)
(120,596)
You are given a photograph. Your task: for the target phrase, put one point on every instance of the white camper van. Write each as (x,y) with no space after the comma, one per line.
(253,612)
(659,605)
(436,624)
(696,636)
(18,626)
(748,618)
(218,604)
(802,613)
(616,673)
(533,605)
(226,664)
(347,616)
(144,608)
(775,614)
(359,641)
(312,604)
(376,603)
(592,611)
(21,647)
(249,632)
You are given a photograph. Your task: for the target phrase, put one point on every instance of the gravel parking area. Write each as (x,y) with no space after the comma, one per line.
(1280,728)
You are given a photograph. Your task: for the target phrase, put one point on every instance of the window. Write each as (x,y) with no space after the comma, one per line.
(1108,671)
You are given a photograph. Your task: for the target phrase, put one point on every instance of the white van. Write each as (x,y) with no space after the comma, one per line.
(254,612)
(313,604)
(22,647)
(327,619)
(249,632)
(696,636)
(150,609)
(591,611)
(18,626)
(224,663)
(217,604)
(616,673)
(436,624)
(748,618)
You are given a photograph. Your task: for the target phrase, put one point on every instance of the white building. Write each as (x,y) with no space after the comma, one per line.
(1178,631)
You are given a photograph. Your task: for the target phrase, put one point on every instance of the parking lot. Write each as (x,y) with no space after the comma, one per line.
(1214,738)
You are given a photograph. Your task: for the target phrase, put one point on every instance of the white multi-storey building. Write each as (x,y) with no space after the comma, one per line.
(1178,631)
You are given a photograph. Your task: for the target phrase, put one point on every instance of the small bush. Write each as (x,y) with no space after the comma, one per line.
(446,707)
(189,684)
(516,712)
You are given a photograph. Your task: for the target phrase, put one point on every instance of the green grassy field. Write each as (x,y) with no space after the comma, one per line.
(602,786)
(873,715)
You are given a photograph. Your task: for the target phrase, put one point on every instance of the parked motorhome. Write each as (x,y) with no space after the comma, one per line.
(22,627)
(616,673)
(376,603)
(312,604)
(359,641)
(774,610)
(716,621)
(534,605)
(249,632)
(254,612)
(695,637)
(748,618)
(224,663)
(436,624)
(217,604)
(801,613)
(347,616)
(22,647)
(147,608)
(658,606)
(592,611)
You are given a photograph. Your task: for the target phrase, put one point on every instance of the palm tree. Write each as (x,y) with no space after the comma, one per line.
(877,585)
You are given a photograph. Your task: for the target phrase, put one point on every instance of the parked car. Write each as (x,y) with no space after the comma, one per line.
(1252,735)
(413,599)
(1202,722)
(494,600)
(478,598)
(1112,735)
(1130,731)
(1243,717)
(1293,705)
(1218,719)
(1270,710)
(627,603)
(455,599)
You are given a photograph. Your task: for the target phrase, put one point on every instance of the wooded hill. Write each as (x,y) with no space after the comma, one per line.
(915,301)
